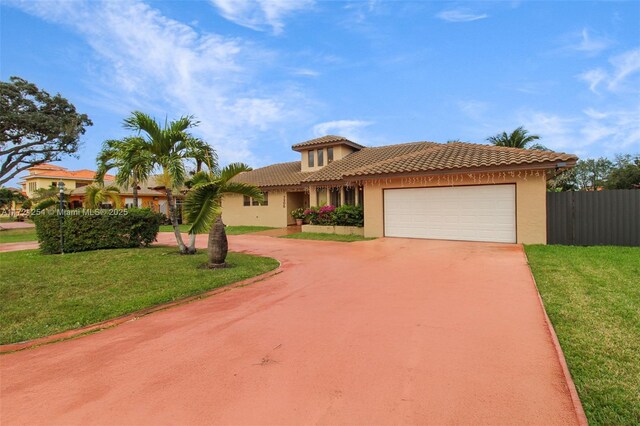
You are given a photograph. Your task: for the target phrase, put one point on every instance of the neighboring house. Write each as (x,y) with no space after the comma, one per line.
(150,194)
(46,175)
(456,191)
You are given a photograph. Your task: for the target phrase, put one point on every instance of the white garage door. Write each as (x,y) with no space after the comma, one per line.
(467,213)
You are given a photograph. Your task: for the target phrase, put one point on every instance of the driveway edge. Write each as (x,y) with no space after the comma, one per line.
(575,399)
(110,323)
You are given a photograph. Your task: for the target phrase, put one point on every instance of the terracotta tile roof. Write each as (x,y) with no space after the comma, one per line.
(67,174)
(282,174)
(325,140)
(459,155)
(47,166)
(336,170)
(143,190)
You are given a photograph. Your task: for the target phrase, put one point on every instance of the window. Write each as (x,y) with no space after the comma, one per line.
(320,158)
(350,195)
(361,196)
(311,158)
(54,184)
(33,186)
(329,155)
(321,196)
(335,197)
(80,184)
(248,201)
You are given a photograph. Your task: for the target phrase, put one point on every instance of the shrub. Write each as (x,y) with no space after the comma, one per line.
(332,216)
(97,229)
(298,213)
(349,216)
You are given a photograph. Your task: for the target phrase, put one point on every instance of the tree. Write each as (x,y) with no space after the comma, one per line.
(519,138)
(132,159)
(97,194)
(203,154)
(592,174)
(9,196)
(36,127)
(203,207)
(168,146)
(625,174)
(44,198)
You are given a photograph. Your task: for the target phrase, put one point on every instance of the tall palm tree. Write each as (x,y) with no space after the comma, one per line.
(203,207)
(519,138)
(97,194)
(132,159)
(203,154)
(168,146)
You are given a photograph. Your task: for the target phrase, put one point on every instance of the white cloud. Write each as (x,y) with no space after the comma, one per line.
(260,15)
(351,129)
(460,15)
(593,77)
(146,60)
(591,44)
(305,72)
(624,67)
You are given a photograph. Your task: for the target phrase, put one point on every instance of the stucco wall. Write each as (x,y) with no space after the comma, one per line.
(530,199)
(45,183)
(234,213)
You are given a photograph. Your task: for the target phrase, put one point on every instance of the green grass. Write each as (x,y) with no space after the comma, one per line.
(18,235)
(47,294)
(231,230)
(592,295)
(326,237)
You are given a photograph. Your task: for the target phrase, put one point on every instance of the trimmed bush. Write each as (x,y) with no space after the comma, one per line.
(331,216)
(349,216)
(96,229)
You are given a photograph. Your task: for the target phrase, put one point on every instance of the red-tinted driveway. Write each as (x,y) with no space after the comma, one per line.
(382,332)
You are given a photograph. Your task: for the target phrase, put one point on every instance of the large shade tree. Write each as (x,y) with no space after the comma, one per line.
(519,138)
(36,127)
(203,207)
(132,159)
(168,145)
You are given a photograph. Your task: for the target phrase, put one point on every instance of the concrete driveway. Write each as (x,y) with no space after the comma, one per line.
(391,331)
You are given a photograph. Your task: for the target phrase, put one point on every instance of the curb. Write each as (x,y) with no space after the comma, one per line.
(110,323)
(573,392)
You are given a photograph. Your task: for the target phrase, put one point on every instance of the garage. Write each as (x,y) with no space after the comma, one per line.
(466,213)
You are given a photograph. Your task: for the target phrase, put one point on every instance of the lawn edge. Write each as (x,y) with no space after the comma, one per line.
(114,322)
(573,391)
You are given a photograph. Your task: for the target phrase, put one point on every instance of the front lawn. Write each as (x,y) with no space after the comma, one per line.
(18,235)
(47,294)
(230,230)
(326,237)
(592,296)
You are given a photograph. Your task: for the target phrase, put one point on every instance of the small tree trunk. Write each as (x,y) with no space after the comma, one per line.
(192,244)
(135,193)
(174,222)
(218,245)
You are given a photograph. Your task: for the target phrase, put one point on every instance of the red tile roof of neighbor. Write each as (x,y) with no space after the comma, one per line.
(325,141)
(406,158)
(53,171)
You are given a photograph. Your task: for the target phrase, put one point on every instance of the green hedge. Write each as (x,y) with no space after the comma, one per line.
(96,229)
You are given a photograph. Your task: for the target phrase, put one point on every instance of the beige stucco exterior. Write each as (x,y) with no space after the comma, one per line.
(45,183)
(276,214)
(531,210)
(339,152)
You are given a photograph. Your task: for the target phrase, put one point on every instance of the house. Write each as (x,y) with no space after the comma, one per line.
(456,191)
(151,194)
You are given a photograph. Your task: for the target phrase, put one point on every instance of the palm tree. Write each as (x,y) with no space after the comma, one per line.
(97,194)
(519,138)
(203,207)
(132,159)
(168,146)
(203,154)
(49,197)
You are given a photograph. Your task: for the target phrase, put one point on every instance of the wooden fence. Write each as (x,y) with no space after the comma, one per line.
(594,218)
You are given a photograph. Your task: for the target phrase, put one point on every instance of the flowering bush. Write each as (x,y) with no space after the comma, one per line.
(332,216)
(298,213)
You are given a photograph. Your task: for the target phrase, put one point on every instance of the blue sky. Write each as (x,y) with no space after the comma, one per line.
(262,75)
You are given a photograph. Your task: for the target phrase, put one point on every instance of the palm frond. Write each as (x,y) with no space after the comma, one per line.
(243,189)
(201,206)
(232,170)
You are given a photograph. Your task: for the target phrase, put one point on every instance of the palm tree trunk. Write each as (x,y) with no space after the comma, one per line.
(192,244)
(174,222)
(135,192)
(218,245)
